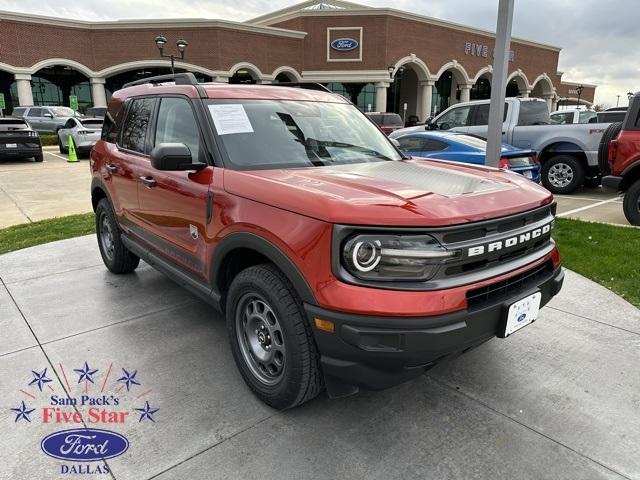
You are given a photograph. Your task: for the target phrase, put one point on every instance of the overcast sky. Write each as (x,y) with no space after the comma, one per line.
(599,39)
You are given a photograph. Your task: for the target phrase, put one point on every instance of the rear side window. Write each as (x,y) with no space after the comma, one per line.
(480,115)
(177,124)
(421,144)
(377,119)
(561,118)
(585,117)
(136,125)
(392,121)
(533,113)
(18,111)
(35,112)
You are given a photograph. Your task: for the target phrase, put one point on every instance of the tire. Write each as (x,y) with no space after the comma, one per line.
(271,339)
(39,158)
(61,147)
(116,257)
(562,174)
(609,134)
(631,204)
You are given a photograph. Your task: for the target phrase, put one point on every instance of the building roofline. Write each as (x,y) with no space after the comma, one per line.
(577,84)
(295,13)
(264,19)
(149,24)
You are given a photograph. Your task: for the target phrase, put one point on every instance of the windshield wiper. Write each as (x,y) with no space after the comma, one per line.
(311,142)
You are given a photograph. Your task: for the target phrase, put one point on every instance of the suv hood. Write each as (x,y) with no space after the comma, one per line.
(402,193)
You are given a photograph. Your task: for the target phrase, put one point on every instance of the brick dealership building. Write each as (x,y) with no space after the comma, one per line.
(380,58)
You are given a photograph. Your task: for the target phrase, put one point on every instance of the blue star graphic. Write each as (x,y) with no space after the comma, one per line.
(85,373)
(128,378)
(147,412)
(23,412)
(39,378)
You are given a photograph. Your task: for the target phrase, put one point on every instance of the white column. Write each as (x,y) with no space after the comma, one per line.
(98,92)
(525,93)
(381,96)
(221,79)
(465,93)
(549,100)
(554,104)
(426,93)
(454,90)
(23,84)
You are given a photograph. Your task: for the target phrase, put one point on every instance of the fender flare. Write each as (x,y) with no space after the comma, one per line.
(263,246)
(97,183)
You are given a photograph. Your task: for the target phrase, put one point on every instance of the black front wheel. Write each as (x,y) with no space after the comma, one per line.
(631,204)
(562,174)
(271,338)
(115,255)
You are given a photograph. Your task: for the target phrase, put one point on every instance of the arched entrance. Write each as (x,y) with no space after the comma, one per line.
(54,84)
(448,88)
(284,77)
(10,91)
(117,81)
(404,91)
(542,87)
(244,75)
(517,85)
(481,90)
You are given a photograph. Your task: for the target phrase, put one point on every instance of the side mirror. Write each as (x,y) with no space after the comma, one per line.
(430,124)
(48,115)
(174,157)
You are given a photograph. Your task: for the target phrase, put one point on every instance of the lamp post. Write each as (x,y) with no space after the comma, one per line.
(181,44)
(579,89)
(629,95)
(617,100)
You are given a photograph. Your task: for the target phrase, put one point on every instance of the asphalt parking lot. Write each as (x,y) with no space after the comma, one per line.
(543,404)
(30,191)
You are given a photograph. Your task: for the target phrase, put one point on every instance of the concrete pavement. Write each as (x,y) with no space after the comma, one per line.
(557,400)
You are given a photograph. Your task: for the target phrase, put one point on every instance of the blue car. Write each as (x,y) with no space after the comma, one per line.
(461,147)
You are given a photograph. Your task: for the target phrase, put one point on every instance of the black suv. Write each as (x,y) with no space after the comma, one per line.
(19,140)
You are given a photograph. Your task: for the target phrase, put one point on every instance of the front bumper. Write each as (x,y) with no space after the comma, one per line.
(611,182)
(376,352)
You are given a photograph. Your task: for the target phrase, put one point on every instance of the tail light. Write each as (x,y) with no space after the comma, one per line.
(613,149)
(504,163)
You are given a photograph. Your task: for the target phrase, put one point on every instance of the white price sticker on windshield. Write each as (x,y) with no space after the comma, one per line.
(230,118)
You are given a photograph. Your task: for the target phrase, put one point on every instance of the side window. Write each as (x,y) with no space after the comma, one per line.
(35,112)
(456,117)
(480,115)
(420,144)
(177,124)
(134,130)
(561,118)
(70,123)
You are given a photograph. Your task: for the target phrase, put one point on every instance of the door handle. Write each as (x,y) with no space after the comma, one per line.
(110,168)
(148,181)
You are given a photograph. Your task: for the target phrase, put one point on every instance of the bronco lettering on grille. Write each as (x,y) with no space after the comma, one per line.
(509,242)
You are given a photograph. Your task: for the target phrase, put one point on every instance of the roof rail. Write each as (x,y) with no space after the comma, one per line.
(305,85)
(179,79)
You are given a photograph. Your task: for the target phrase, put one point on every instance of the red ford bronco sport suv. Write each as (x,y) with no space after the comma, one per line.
(337,262)
(622,172)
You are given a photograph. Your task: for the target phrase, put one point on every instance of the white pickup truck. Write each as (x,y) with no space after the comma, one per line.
(568,153)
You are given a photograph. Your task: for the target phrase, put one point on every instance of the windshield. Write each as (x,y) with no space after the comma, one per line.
(533,113)
(269,134)
(63,112)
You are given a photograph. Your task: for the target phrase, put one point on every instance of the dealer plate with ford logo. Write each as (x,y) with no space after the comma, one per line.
(522,313)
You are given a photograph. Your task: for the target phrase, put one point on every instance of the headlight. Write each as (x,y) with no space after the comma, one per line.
(394,257)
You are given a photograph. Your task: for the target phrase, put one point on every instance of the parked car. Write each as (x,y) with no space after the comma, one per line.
(623,170)
(84,133)
(387,121)
(611,115)
(568,153)
(336,261)
(96,112)
(461,147)
(19,140)
(573,115)
(46,119)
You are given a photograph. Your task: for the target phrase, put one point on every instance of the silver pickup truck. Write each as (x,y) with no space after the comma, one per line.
(568,153)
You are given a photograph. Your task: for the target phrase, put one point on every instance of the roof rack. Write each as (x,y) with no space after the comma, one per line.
(179,79)
(305,85)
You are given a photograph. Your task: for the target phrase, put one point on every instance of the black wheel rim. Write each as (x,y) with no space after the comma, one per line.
(260,339)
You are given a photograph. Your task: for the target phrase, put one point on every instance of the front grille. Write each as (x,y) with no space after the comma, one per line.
(495,292)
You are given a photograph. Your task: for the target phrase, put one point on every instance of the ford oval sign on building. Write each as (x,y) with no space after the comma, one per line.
(84,445)
(344,44)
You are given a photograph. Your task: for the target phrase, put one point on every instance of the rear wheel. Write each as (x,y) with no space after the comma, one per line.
(271,339)
(116,257)
(39,158)
(631,204)
(61,146)
(562,174)
(609,134)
